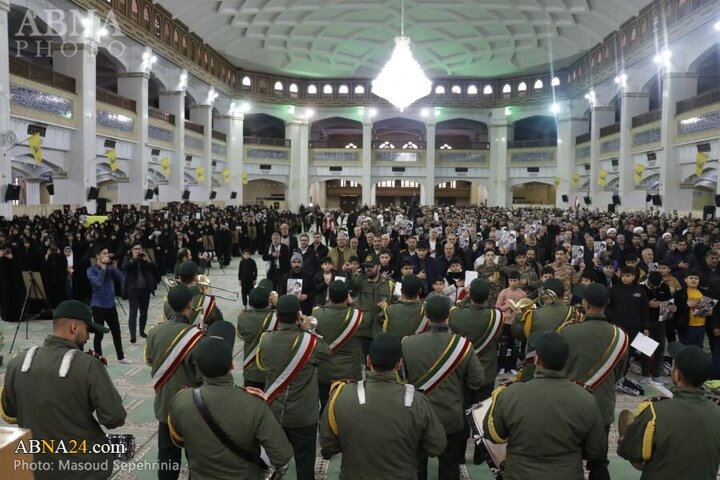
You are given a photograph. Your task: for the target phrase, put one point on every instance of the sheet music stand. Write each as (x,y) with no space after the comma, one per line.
(35,291)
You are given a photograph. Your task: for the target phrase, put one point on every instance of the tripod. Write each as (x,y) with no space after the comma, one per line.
(36,292)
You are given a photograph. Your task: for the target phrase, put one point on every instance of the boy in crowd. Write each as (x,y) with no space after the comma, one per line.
(508,354)
(247,275)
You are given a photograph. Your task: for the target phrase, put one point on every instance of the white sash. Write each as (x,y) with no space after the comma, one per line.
(250,357)
(495,328)
(190,335)
(424,324)
(446,367)
(307,344)
(351,327)
(618,350)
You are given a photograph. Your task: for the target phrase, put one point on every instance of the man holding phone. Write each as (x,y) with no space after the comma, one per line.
(141,277)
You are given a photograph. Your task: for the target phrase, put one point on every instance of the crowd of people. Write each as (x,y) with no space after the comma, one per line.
(478,296)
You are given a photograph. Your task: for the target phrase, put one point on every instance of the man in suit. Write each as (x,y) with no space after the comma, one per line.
(286,239)
(278,257)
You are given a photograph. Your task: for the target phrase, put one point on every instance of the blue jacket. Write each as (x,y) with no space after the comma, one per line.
(103,286)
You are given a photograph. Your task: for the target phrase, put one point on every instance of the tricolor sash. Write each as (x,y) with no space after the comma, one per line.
(268,325)
(454,354)
(299,356)
(494,327)
(180,347)
(424,322)
(208,307)
(608,361)
(353,320)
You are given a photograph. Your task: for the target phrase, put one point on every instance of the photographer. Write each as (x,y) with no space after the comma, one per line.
(141,277)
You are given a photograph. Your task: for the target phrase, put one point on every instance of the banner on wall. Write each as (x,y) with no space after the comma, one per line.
(602,177)
(165,164)
(112,158)
(35,144)
(200,174)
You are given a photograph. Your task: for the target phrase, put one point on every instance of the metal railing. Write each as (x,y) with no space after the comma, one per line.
(44,75)
(645,118)
(219,136)
(116,100)
(194,127)
(707,98)
(584,138)
(610,130)
(162,116)
(548,142)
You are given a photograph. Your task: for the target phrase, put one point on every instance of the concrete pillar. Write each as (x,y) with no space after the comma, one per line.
(429,163)
(5,167)
(81,167)
(500,133)
(202,115)
(601,117)
(676,87)
(298,131)
(174,102)
(632,104)
(32,191)
(367,184)
(569,127)
(231,124)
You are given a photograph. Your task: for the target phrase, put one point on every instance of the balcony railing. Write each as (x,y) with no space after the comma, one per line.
(39,74)
(116,100)
(549,142)
(162,116)
(610,130)
(707,98)
(219,136)
(194,127)
(645,118)
(584,138)
(397,144)
(267,141)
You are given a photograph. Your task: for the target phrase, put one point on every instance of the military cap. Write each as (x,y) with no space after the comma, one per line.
(224,330)
(556,285)
(437,309)
(259,297)
(214,357)
(479,290)
(371,260)
(267,284)
(338,291)
(693,363)
(179,296)
(423,245)
(78,311)
(187,268)
(552,348)
(288,305)
(386,349)
(411,285)
(596,295)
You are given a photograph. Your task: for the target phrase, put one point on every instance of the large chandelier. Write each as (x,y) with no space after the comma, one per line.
(402,80)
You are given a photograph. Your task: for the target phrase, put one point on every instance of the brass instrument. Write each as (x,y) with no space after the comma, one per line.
(169,282)
(205,287)
(525,304)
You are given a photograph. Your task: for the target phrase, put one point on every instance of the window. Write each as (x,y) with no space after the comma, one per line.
(312,90)
(359,90)
(293,88)
(386,184)
(538,85)
(176,38)
(410,145)
(440,90)
(507,88)
(246,82)
(451,184)
(343,90)
(16,182)
(134,11)
(488,90)
(522,87)
(456,90)
(555,82)
(347,183)
(445,147)
(351,145)
(327,90)
(386,145)
(408,184)
(278,86)
(158,28)
(472,90)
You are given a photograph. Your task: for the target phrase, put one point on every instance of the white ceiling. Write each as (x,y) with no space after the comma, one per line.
(354,38)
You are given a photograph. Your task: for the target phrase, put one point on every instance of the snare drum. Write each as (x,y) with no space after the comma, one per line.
(494,454)
(127,443)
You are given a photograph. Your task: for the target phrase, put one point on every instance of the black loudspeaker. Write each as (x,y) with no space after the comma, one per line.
(233,195)
(186,195)
(717,200)
(149,193)
(587,200)
(564,198)
(616,199)
(657,201)
(50,188)
(101,208)
(12,192)
(93,193)
(708,212)
(611,208)
(213,194)
(156,190)
(648,198)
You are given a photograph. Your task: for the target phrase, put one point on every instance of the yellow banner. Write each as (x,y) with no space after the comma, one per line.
(575,178)
(165,164)
(602,177)
(700,160)
(112,157)
(639,168)
(698,170)
(226,175)
(200,174)
(90,219)
(35,143)
(557,181)
(245,178)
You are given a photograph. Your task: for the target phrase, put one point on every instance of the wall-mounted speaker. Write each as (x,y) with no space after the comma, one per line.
(717,200)
(12,192)
(50,188)
(565,198)
(611,208)
(648,198)
(616,199)
(213,195)
(186,195)
(708,212)
(93,193)
(587,200)
(652,156)
(149,194)
(156,190)
(657,200)
(233,195)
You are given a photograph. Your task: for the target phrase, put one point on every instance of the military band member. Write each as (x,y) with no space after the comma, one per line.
(547,318)
(440,364)
(678,437)
(201,303)
(246,422)
(289,357)
(598,351)
(56,392)
(338,323)
(380,425)
(251,324)
(169,351)
(406,317)
(549,423)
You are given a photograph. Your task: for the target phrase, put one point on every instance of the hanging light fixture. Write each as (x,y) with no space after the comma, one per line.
(402,80)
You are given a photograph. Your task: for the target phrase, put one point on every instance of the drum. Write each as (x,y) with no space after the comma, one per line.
(125,448)
(494,454)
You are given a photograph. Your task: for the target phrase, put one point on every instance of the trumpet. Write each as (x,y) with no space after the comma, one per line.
(313,325)
(206,288)
(526,304)
(169,282)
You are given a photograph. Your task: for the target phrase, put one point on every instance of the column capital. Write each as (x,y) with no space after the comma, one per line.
(203,106)
(231,116)
(145,75)
(297,122)
(430,123)
(680,75)
(625,94)
(169,93)
(602,109)
(571,119)
(367,123)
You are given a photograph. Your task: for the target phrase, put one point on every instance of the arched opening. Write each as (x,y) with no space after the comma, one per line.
(709,71)
(461,133)
(190,102)
(396,192)
(399,132)
(337,193)
(265,192)
(533,193)
(155,86)
(460,193)
(536,128)
(106,71)
(336,132)
(654,89)
(261,125)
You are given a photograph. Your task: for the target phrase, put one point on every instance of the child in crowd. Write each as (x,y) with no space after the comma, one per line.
(507,348)
(247,274)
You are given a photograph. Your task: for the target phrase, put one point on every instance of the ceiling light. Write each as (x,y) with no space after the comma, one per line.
(86,22)
(717,26)
(424,112)
(244,107)
(153,59)
(309,113)
(373,112)
(402,80)
(663,57)
(555,108)
(102,32)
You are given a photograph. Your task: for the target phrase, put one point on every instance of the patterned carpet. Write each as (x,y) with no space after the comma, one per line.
(133,382)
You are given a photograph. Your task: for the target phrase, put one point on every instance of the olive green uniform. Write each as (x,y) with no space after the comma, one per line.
(532,282)
(568,275)
(685,442)
(367,295)
(197,302)
(61,408)
(548,318)
(250,327)
(487,271)
(381,438)
(403,318)
(344,364)
(244,418)
(588,341)
(550,425)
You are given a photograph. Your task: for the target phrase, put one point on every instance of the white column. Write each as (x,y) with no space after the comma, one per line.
(298,131)
(134,85)
(676,87)
(500,133)
(569,127)
(632,104)
(367,183)
(32,191)
(82,157)
(232,126)
(174,102)
(202,114)
(601,117)
(5,167)
(429,163)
